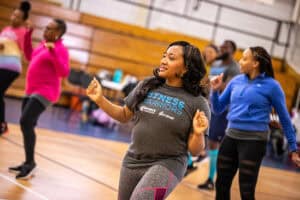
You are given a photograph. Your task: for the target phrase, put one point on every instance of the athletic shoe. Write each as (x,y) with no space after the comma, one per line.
(190,169)
(16,169)
(208,185)
(27,171)
(3,128)
(200,158)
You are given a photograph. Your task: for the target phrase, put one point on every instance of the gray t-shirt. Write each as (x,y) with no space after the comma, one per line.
(162,126)
(229,71)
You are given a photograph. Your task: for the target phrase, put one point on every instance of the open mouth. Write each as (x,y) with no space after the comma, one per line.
(162,68)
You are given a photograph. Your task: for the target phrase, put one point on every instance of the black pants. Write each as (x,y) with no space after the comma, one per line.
(245,155)
(6,79)
(31,110)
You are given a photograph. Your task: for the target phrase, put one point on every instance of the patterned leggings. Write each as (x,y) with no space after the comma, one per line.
(154,183)
(245,155)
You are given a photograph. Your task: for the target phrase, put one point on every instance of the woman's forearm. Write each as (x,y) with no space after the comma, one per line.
(119,113)
(196,143)
(28,49)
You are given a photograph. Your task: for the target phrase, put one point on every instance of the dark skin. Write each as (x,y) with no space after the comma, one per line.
(51,34)
(17,18)
(226,47)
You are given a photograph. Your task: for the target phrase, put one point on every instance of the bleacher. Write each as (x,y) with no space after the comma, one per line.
(102,43)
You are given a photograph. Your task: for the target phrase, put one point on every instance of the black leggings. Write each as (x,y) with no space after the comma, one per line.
(6,79)
(31,110)
(245,155)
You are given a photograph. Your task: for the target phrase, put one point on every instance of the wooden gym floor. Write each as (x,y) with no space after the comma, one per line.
(78,167)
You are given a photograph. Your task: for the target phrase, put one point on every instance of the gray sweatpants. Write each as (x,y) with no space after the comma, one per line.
(148,183)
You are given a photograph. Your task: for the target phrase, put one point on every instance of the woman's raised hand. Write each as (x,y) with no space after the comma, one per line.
(296,158)
(217,82)
(94,90)
(200,123)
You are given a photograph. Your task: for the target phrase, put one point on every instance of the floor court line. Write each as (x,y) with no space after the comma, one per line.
(65,166)
(23,187)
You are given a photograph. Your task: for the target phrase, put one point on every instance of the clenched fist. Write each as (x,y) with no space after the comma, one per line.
(94,90)
(49,45)
(296,158)
(217,82)
(200,123)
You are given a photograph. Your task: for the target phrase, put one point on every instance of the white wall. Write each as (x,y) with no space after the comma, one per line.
(293,57)
(115,10)
(281,9)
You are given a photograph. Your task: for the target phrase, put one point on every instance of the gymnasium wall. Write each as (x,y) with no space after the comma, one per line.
(204,10)
(102,43)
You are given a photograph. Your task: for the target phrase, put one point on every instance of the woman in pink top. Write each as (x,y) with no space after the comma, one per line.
(11,46)
(49,62)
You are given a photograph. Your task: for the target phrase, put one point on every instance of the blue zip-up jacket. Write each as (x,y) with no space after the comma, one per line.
(250,103)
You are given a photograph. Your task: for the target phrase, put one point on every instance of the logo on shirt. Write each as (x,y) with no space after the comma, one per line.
(165,115)
(164,102)
(147,109)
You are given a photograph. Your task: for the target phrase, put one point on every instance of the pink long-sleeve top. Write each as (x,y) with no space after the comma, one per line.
(13,40)
(46,68)
(15,34)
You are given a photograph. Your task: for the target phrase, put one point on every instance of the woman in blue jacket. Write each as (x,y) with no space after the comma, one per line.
(250,97)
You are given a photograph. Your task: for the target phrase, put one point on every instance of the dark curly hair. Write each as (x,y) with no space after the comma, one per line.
(62,26)
(264,59)
(191,78)
(232,43)
(25,7)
